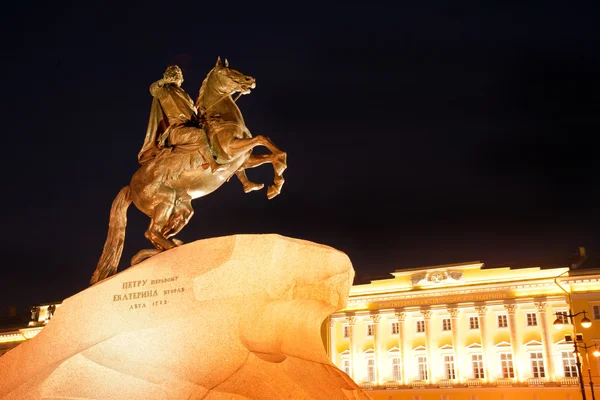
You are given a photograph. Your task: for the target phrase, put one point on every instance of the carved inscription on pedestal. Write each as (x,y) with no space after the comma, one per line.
(148,292)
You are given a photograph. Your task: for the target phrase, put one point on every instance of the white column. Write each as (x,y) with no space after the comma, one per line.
(376,345)
(481,311)
(402,345)
(332,343)
(515,340)
(429,341)
(546,339)
(456,345)
(353,356)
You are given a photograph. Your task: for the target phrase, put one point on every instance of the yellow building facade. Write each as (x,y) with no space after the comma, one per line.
(15,334)
(462,331)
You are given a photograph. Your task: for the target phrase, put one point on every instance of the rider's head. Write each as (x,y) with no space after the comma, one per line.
(174,75)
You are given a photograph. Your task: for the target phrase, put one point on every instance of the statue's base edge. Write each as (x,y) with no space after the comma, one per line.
(235,317)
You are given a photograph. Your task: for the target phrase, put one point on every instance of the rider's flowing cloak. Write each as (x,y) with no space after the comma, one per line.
(157,125)
(181,157)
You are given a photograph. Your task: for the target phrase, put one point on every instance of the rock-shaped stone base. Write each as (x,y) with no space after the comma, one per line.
(234,317)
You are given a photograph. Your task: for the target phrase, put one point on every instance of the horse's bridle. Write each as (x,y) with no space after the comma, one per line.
(220,98)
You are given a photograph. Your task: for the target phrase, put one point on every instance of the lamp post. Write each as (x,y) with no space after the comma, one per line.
(586,323)
(587,359)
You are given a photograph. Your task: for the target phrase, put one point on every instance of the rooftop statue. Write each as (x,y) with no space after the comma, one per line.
(190,150)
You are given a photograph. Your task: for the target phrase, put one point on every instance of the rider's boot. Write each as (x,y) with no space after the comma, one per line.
(215,166)
(211,162)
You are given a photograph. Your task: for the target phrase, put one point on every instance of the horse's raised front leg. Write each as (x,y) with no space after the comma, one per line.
(277,157)
(237,146)
(248,185)
(259,159)
(275,188)
(256,160)
(253,161)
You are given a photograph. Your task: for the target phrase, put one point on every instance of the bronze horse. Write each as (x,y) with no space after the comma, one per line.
(164,187)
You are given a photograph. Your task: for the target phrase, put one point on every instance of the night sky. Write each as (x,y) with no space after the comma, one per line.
(416,135)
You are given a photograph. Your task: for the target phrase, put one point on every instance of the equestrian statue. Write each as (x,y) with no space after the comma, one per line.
(190,150)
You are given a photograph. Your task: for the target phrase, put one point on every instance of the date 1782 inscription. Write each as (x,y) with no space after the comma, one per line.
(148,289)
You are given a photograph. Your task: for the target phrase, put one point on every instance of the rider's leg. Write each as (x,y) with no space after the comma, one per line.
(206,153)
(191,135)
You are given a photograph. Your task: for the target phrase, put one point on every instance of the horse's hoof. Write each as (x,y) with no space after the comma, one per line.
(275,188)
(278,182)
(272,191)
(143,255)
(250,187)
(281,164)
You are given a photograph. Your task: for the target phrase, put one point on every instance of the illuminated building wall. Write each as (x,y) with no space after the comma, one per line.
(459,330)
(12,336)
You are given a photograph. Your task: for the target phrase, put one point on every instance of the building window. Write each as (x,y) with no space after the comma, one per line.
(371,369)
(502,321)
(370,330)
(562,317)
(422,367)
(446,324)
(531,319)
(596,312)
(506,364)
(346,331)
(449,367)
(569,364)
(396,375)
(477,362)
(420,326)
(537,365)
(395,328)
(346,366)
(473,322)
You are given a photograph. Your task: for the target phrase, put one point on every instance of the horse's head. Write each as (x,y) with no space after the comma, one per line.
(229,81)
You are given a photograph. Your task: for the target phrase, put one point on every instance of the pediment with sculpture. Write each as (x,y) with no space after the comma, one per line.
(436,278)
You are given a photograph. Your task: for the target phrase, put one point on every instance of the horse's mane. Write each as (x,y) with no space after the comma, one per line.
(203,88)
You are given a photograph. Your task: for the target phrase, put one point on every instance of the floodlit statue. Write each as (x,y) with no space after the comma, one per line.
(189,151)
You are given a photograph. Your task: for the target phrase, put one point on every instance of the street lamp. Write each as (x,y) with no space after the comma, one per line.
(559,321)
(586,323)
(587,359)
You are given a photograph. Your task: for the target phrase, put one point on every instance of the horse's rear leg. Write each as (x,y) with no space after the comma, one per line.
(160,217)
(182,213)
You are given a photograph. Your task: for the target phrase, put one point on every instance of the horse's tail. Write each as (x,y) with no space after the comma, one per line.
(113,247)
